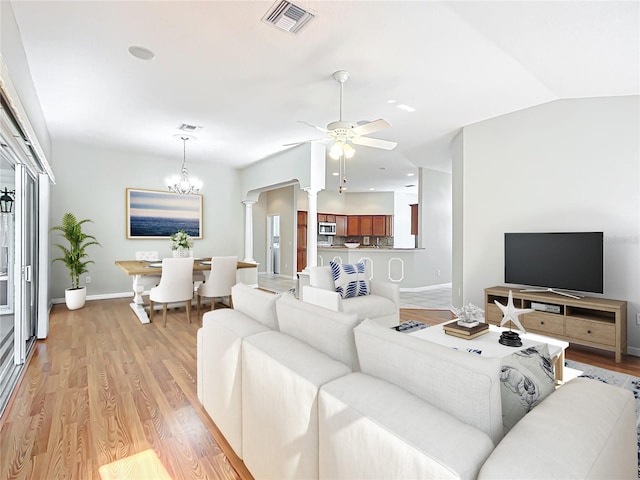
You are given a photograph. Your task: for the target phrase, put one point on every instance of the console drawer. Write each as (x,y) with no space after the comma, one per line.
(596,332)
(545,323)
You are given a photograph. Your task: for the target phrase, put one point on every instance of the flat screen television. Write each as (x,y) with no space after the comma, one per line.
(564,260)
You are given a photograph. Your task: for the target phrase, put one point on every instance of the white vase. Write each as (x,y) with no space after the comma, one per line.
(181,252)
(75,297)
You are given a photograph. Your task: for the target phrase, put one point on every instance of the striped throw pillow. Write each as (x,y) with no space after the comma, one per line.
(350,280)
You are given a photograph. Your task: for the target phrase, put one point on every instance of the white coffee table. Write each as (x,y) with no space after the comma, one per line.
(488,345)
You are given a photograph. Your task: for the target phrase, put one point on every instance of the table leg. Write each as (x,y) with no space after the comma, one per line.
(138,305)
(559,367)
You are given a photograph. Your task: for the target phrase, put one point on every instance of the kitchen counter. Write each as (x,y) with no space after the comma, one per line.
(386,264)
(371,247)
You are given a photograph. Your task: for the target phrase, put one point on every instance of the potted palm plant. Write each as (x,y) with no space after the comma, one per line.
(74,257)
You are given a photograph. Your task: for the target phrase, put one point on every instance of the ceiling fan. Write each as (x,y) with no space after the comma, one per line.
(345,133)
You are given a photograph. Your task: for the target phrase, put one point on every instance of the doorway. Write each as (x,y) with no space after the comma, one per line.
(273,244)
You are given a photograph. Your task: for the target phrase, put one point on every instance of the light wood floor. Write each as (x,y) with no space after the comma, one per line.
(106,397)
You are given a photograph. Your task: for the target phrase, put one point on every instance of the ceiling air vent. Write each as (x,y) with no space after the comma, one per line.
(185,127)
(287,16)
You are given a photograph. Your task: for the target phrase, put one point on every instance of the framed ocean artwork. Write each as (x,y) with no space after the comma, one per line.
(156,214)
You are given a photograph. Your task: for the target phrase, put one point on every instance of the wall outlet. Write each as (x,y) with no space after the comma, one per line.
(638,318)
(87,279)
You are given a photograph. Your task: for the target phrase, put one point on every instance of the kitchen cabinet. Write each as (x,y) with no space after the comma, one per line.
(331,218)
(341,225)
(388,225)
(414,218)
(366,225)
(353,226)
(322,217)
(302,241)
(379,228)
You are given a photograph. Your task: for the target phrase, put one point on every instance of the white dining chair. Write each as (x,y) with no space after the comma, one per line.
(149,255)
(176,285)
(219,280)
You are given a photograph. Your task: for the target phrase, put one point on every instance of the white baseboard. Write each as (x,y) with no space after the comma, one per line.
(635,351)
(426,288)
(101,296)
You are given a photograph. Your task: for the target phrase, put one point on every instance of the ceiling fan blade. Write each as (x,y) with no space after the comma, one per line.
(371,127)
(314,126)
(374,142)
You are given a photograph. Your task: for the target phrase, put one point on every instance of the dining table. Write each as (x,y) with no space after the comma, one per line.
(146,273)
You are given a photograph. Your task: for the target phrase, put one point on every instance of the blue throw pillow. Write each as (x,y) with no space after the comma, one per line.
(349,279)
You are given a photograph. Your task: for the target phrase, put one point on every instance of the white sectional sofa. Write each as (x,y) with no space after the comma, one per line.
(300,391)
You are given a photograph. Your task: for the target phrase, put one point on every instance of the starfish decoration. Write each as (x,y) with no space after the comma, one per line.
(511,313)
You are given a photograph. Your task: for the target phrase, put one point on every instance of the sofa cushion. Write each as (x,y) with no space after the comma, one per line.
(349,279)
(257,304)
(361,416)
(325,330)
(586,429)
(281,376)
(526,378)
(321,277)
(369,306)
(463,384)
(219,369)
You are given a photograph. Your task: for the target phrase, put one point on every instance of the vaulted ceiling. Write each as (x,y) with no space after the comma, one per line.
(247,83)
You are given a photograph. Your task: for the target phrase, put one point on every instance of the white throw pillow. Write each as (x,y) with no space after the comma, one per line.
(526,378)
(350,279)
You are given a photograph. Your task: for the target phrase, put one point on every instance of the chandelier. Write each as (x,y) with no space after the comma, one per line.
(183,184)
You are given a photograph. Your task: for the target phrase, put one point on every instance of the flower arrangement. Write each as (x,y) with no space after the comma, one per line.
(469,315)
(181,239)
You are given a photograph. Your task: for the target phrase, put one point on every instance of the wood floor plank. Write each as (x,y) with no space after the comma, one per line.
(104,388)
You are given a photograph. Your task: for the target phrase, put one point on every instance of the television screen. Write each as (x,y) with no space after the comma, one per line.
(567,260)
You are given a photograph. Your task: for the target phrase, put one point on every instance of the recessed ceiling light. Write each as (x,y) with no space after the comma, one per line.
(391,101)
(141,52)
(410,174)
(406,108)
(335,174)
(372,189)
(410,185)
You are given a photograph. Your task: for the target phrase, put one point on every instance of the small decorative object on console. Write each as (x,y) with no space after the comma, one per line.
(469,315)
(454,328)
(511,313)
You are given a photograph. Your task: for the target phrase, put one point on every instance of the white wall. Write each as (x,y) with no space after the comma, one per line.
(402,202)
(436,225)
(568,165)
(369,203)
(91,183)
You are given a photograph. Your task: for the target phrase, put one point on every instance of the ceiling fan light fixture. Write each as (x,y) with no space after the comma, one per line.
(348,150)
(336,151)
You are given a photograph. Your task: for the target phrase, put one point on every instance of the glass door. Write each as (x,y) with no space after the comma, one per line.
(26,239)
(7,262)
(18,277)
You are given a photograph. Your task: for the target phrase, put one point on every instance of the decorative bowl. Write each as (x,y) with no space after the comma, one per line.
(351,245)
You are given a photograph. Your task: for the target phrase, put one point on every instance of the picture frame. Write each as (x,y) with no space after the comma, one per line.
(157,214)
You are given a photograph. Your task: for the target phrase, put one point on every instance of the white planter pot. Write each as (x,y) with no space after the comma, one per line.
(75,298)
(181,252)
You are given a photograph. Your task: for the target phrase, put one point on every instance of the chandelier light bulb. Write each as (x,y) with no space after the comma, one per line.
(183,184)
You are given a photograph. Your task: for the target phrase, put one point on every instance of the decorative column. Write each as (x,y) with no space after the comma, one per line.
(248,231)
(312,228)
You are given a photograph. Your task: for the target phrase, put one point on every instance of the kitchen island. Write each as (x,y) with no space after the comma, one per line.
(404,266)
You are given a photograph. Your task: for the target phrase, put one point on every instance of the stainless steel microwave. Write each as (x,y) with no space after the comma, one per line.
(326,228)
